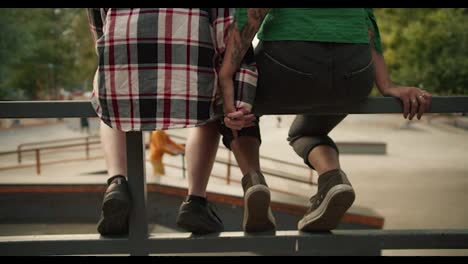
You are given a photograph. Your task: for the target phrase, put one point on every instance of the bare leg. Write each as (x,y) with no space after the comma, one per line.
(334,195)
(324,158)
(257,212)
(113,145)
(246,150)
(200,150)
(116,203)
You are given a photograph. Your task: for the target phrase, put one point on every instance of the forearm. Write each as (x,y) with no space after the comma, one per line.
(382,76)
(239,41)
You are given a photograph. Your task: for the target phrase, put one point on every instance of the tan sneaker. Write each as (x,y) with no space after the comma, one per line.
(334,197)
(257,212)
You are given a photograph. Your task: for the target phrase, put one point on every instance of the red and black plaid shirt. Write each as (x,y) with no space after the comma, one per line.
(157,67)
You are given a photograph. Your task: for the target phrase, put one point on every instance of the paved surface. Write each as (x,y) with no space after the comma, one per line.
(422,182)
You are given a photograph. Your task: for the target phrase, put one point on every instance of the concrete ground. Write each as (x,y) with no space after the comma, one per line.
(421,183)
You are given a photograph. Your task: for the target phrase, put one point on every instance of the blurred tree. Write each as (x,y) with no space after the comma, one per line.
(48,48)
(12,45)
(42,49)
(85,53)
(427,47)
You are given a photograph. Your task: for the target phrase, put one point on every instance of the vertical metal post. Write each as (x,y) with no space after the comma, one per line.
(138,222)
(87,148)
(228,173)
(183,165)
(38,162)
(19,154)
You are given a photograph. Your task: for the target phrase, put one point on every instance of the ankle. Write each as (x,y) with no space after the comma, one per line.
(253,178)
(191,197)
(321,170)
(335,176)
(116,179)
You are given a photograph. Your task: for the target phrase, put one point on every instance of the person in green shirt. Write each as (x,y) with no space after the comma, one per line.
(314,56)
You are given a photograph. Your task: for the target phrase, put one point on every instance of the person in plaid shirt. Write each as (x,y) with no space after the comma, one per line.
(158,70)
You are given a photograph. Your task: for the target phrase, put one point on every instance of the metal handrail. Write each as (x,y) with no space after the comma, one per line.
(141,242)
(266,171)
(20,146)
(37,152)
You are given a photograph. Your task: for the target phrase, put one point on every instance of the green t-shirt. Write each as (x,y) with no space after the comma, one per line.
(341,25)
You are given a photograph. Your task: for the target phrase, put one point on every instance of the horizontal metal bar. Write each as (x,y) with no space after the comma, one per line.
(385,239)
(46,109)
(44,245)
(57,141)
(50,147)
(366,148)
(373,105)
(266,171)
(222,242)
(261,157)
(337,242)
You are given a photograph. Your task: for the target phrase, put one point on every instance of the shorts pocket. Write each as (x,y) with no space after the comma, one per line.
(361,70)
(288,67)
(359,82)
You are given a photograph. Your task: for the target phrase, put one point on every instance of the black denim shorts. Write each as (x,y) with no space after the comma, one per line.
(295,73)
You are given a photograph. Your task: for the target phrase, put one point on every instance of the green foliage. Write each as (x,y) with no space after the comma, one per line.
(427,47)
(46,49)
(43,49)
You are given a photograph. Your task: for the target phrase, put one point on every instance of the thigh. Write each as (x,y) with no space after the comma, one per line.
(313,125)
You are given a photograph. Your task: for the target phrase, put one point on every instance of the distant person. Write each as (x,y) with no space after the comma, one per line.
(316,56)
(84,125)
(15,123)
(161,144)
(278,123)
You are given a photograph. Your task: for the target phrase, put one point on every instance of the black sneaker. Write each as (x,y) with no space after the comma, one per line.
(334,197)
(198,216)
(115,208)
(257,212)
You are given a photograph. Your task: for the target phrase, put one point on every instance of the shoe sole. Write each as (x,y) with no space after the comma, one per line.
(116,209)
(328,215)
(257,213)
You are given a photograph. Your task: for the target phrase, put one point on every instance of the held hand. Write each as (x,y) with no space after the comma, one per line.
(239,119)
(415,100)
(235,119)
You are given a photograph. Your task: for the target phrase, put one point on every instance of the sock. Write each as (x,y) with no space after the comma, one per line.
(196,198)
(119,179)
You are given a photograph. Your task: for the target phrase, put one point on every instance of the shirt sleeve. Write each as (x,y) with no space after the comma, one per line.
(96,18)
(372,23)
(241,17)
(245,79)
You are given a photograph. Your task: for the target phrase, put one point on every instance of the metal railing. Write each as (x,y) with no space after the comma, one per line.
(267,171)
(140,242)
(37,150)
(20,148)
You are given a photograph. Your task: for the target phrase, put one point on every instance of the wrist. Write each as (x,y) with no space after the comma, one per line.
(385,88)
(223,78)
